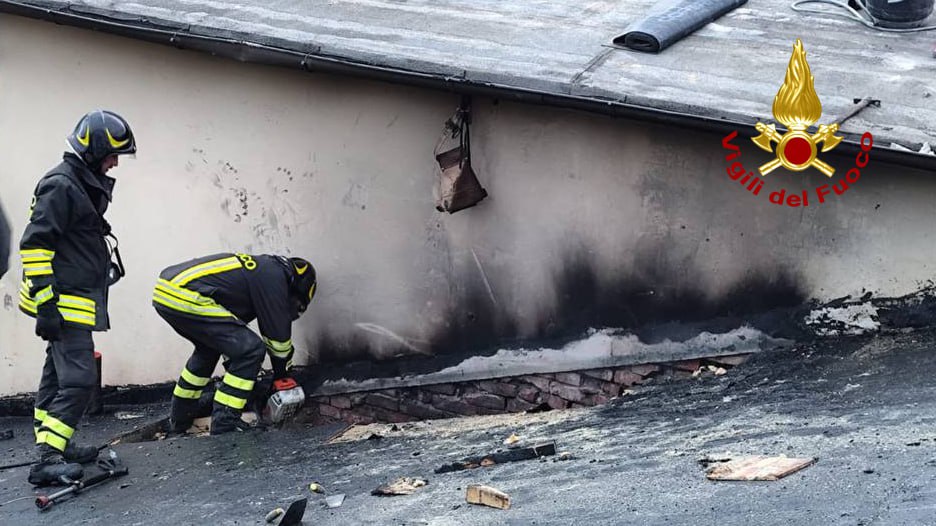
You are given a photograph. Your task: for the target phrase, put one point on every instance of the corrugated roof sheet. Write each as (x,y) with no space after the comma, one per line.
(729,69)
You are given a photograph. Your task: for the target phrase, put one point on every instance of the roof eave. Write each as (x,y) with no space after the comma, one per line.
(250,52)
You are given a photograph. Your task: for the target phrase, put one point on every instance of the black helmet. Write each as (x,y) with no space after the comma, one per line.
(99,134)
(301,282)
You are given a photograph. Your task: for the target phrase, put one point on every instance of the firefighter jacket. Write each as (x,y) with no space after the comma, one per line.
(233,288)
(4,243)
(64,251)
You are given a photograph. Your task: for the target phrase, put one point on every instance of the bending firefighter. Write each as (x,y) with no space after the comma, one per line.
(209,301)
(67,270)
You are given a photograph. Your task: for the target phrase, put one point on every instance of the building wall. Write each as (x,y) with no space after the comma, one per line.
(590,220)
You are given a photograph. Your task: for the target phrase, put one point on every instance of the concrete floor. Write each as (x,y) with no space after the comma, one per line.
(865,407)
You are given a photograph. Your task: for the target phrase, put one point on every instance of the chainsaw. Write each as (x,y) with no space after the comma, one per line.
(287,398)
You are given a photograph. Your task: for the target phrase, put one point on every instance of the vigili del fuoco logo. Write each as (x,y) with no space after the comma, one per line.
(797,107)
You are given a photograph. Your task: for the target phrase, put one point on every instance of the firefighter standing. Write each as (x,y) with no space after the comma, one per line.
(67,269)
(209,301)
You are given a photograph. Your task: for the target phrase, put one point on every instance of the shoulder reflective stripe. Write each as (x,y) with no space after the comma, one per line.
(238,383)
(228,400)
(204,269)
(47,437)
(39,414)
(181,306)
(37,252)
(77,316)
(197,381)
(60,428)
(188,394)
(76,302)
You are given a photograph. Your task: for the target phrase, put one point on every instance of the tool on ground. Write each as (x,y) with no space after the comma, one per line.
(287,398)
(110,468)
(294,513)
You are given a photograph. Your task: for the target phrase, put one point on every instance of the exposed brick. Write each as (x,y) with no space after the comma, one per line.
(556,403)
(540,382)
(687,365)
(340,401)
(591,385)
(599,399)
(516,405)
(446,389)
(611,388)
(453,405)
(327,410)
(423,411)
(382,400)
(488,400)
(354,418)
(499,388)
(600,374)
(626,377)
(357,398)
(530,394)
(572,394)
(733,360)
(569,378)
(644,369)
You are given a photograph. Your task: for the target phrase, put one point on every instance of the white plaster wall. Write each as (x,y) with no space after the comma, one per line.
(259,159)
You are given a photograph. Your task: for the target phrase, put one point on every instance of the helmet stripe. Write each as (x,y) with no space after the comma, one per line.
(114,142)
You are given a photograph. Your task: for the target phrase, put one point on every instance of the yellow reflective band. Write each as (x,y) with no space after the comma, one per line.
(77,316)
(44,295)
(189,394)
(311,291)
(37,252)
(189,308)
(211,267)
(182,293)
(39,414)
(42,271)
(278,346)
(191,378)
(289,364)
(60,428)
(50,438)
(238,382)
(228,400)
(27,305)
(76,302)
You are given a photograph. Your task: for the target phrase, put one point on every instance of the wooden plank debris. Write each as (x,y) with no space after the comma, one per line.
(400,486)
(511,455)
(487,496)
(758,468)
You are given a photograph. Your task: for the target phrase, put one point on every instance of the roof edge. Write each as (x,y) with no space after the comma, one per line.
(250,52)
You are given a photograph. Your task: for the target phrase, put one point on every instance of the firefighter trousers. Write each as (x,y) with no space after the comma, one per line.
(68,379)
(243,352)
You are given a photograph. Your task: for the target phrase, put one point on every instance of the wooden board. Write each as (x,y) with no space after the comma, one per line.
(758,468)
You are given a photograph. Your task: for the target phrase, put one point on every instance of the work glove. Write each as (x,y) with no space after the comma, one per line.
(49,322)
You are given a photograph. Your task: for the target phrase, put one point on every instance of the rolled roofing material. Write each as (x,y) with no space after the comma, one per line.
(670,20)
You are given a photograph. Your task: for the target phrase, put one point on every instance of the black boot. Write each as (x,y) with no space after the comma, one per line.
(80,454)
(182,415)
(52,469)
(225,419)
